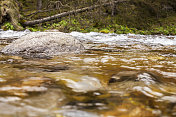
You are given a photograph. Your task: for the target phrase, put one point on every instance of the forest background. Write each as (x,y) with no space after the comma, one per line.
(106,16)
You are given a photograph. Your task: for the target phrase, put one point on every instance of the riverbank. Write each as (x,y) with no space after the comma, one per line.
(131,16)
(73,24)
(69,25)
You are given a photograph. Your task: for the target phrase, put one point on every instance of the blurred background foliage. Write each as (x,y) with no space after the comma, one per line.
(130,16)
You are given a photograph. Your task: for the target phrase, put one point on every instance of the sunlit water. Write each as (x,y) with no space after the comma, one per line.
(78,85)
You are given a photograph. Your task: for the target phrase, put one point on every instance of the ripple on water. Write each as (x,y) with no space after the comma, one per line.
(38,87)
(76,113)
(129,38)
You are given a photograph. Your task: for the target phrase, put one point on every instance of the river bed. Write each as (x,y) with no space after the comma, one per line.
(123,75)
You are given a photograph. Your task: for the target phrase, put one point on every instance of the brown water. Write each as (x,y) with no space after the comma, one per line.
(78,85)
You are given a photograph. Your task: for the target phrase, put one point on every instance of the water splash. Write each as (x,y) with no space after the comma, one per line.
(122,39)
(10,34)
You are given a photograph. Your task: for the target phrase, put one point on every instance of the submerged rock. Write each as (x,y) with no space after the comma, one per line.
(43,45)
(146,77)
(130,109)
(43,105)
(42,68)
(83,84)
(23,88)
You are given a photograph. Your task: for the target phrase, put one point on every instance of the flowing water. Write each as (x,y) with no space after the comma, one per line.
(118,76)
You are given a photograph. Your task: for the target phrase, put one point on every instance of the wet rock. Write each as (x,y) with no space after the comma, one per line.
(171,99)
(54,68)
(42,68)
(43,105)
(130,110)
(35,81)
(84,84)
(146,77)
(2,80)
(49,100)
(78,83)
(147,91)
(24,87)
(43,45)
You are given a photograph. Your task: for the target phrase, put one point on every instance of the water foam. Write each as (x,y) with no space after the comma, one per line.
(112,38)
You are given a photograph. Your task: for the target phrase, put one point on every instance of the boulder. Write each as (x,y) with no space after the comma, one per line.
(44,44)
(136,76)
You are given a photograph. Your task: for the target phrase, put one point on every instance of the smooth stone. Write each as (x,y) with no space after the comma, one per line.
(83,84)
(43,45)
(146,77)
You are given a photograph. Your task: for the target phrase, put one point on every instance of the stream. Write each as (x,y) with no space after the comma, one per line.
(119,75)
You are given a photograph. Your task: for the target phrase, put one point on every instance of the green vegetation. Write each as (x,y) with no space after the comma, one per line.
(133,16)
(8,26)
(74,25)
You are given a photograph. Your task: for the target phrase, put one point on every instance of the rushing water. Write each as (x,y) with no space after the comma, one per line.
(80,85)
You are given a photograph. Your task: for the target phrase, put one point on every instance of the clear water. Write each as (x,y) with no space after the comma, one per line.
(41,88)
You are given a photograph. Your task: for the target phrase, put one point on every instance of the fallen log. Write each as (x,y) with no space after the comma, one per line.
(29,23)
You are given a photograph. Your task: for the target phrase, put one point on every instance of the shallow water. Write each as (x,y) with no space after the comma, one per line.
(78,85)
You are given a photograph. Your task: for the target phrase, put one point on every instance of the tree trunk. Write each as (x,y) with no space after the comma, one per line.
(9,10)
(39,4)
(68,13)
(113,7)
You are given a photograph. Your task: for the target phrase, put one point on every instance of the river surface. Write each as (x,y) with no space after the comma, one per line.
(82,85)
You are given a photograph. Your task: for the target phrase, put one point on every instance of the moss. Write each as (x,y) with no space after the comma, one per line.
(104,31)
